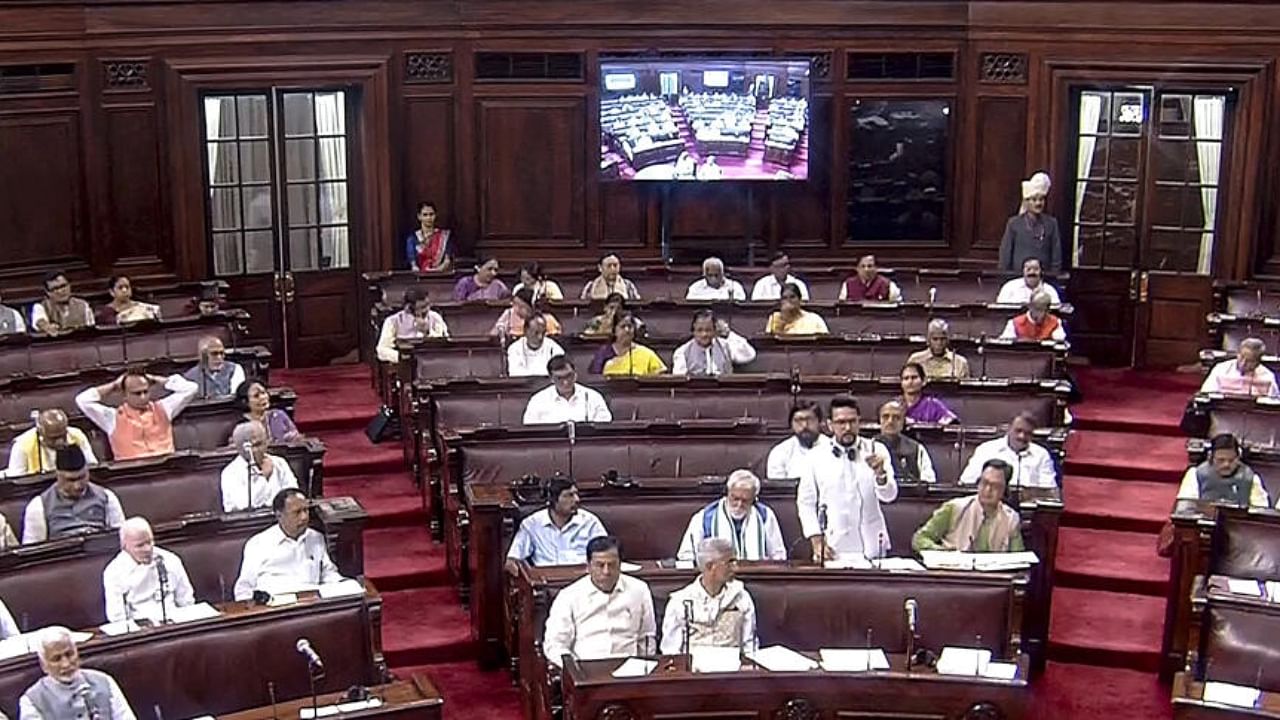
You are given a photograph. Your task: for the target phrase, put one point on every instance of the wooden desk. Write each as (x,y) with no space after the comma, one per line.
(1189,703)
(412,699)
(671,691)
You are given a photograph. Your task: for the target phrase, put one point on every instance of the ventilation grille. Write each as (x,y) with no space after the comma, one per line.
(528,66)
(37,78)
(902,66)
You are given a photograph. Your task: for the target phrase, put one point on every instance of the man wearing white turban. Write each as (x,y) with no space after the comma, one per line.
(1031,233)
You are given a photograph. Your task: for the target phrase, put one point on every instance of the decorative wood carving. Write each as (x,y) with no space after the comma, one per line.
(797,709)
(1004,68)
(428,67)
(821,67)
(120,75)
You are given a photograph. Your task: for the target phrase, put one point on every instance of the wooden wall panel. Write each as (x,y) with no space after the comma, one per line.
(139,226)
(530,171)
(1000,160)
(623,215)
(801,213)
(427,163)
(40,188)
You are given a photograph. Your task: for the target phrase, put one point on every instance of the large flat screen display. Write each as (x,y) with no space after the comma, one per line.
(704,119)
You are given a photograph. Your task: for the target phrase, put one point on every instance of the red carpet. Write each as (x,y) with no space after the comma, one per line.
(1124,459)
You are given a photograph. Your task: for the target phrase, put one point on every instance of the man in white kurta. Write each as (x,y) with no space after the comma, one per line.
(528,355)
(564,400)
(288,556)
(254,476)
(131,581)
(1032,464)
(851,479)
(1018,291)
(8,626)
(790,458)
(770,286)
(602,615)
(715,610)
(66,691)
(1245,375)
(750,526)
(713,285)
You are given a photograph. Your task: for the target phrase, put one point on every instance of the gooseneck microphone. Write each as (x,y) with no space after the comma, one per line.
(304,648)
(688,627)
(822,528)
(162,573)
(911,609)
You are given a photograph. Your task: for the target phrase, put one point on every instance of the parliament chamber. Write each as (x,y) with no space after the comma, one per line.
(583,360)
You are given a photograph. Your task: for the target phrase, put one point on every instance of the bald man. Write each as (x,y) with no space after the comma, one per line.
(131,581)
(253,478)
(33,451)
(67,691)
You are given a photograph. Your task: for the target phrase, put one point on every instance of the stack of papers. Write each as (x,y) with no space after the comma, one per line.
(635,667)
(342,588)
(899,564)
(1241,586)
(983,562)
(1229,694)
(706,659)
(280,599)
(327,710)
(1000,671)
(963,661)
(853,659)
(780,658)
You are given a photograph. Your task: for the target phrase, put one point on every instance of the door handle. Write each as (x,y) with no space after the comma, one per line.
(1144,286)
(276,290)
(1133,285)
(290,290)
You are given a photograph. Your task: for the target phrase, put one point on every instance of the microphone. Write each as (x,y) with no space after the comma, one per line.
(911,609)
(933,294)
(881,549)
(82,692)
(35,425)
(688,627)
(271,692)
(303,646)
(822,528)
(251,467)
(163,573)
(155,709)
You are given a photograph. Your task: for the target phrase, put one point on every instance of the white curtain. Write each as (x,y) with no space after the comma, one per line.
(224,203)
(1090,117)
(1208,115)
(331,122)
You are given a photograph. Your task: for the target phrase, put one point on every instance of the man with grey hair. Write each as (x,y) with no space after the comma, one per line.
(749,526)
(939,360)
(1031,462)
(214,374)
(1037,323)
(715,610)
(137,578)
(1245,375)
(713,285)
(254,476)
(67,691)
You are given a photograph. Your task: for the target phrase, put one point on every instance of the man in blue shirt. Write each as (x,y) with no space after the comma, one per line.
(558,534)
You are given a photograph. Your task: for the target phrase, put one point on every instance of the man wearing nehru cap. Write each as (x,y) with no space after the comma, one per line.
(67,691)
(72,505)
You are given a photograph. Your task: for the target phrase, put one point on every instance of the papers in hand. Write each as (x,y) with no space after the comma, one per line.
(963,661)
(343,588)
(780,658)
(853,659)
(327,710)
(635,667)
(714,659)
(982,562)
(1229,694)
(628,567)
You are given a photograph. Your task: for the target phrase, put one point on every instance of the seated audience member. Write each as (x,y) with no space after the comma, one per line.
(790,458)
(975,523)
(483,284)
(427,249)
(1037,323)
(253,399)
(713,285)
(8,539)
(8,626)
(1018,291)
(609,281)
(715,610)
(558,534)
(848,481)
(1245,375)
(33,450)
(532,277)
(601,325)
(214,374)
(792,319)
(131,582)
(868,285)
(1032,464)
(713,350)
(58,312)
(710,170)
(530,354)
(287,556)
(625,356)
(921,407)
(740,519)
(564,400)
(66,689)
(512,320)
(939,360)
(1032,232)
(770,286)
(414,320)
(254,477)
(71,505)
(207,302)
(11,321)
(602,615)
(123,308)
(1223,478)
(911,461)
(685,167)
(140,427)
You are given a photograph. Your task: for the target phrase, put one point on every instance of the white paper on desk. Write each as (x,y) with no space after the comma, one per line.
(1000,670)
(327,710)
(284,586)
(1229,694)
(1004,561)
(899,564)
(706,659)
(635,667)
(192,613)
(1241,586)
(15,646)
(629,567)
(684,565)
(119,627)
(1273,591)
(852,562)
(280,599)
(780,658)
(343,588)
(946,560)
(963,661)
(853,659)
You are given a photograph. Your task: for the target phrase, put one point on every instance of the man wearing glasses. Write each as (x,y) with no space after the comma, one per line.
(59,312)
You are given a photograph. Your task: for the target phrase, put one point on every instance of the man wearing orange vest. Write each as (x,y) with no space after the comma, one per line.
(140,427)
(1037,323)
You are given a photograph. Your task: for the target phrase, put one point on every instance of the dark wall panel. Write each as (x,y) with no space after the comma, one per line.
(40,187)
(427,164)
(139,226)
(1000,158)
